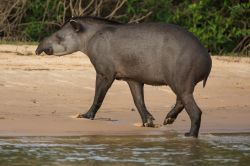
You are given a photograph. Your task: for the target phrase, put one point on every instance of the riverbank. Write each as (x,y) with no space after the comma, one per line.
(41,95)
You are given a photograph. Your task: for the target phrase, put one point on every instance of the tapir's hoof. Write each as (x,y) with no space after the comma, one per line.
(86,116)
(191,135)
(149,122)
(168,121)
(187,134)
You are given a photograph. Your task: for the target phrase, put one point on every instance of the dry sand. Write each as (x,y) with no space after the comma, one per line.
(40,95)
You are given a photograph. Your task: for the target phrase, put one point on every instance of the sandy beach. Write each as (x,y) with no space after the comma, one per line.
(41,95)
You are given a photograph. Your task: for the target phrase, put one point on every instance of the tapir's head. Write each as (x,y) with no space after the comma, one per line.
(65,41)
(73,35)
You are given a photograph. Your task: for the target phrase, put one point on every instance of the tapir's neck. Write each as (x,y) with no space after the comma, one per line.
(87,39)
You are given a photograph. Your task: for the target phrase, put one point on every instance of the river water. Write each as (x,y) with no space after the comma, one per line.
(172,149)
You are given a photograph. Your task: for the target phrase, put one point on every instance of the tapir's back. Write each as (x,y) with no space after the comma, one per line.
(152,51)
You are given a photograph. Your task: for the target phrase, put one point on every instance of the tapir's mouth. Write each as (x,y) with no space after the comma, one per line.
(48,51)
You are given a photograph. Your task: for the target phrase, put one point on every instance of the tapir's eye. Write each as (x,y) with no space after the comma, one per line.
(60,38)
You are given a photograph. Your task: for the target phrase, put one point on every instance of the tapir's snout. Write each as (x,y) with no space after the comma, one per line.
(38,52)
(40,49)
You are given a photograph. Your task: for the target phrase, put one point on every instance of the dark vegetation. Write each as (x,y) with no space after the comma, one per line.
(222,26)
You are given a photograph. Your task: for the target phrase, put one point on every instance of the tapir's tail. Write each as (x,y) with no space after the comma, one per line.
(204,81)
(205,78)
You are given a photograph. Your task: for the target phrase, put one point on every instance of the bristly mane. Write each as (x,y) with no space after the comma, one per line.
(93,19)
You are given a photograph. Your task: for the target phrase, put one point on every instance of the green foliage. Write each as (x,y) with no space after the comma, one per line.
(41,18)
(220,25)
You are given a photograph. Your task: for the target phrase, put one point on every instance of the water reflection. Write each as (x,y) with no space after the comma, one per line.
(126,150)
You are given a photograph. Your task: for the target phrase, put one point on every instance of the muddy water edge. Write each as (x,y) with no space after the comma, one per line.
(209,149)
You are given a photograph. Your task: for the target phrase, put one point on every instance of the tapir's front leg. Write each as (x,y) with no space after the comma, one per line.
(138,96)
(103,83)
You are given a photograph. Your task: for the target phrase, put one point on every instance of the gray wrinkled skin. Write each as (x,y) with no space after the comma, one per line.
(146,53)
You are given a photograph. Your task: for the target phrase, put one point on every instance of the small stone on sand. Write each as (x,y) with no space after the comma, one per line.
(137,124)
(75,116)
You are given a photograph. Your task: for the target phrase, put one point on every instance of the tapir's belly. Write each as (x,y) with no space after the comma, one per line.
(144,73)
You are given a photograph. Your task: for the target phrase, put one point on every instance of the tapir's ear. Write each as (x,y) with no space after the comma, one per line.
(76,25)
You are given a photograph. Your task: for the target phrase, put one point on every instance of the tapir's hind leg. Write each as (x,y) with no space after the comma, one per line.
(138,96)
(172,115)
(194,113)
(184,88)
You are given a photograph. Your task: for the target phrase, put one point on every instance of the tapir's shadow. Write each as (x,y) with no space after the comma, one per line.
(106,119)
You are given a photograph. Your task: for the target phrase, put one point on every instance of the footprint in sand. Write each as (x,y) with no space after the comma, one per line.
(100,118)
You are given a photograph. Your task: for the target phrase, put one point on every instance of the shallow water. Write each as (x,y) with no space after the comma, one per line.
(209,149)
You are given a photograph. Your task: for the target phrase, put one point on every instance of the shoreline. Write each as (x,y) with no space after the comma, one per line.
(40,94)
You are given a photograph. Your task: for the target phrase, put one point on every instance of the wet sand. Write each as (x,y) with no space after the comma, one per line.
(40,95)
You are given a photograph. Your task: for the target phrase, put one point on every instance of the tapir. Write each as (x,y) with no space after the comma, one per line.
(145,53)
